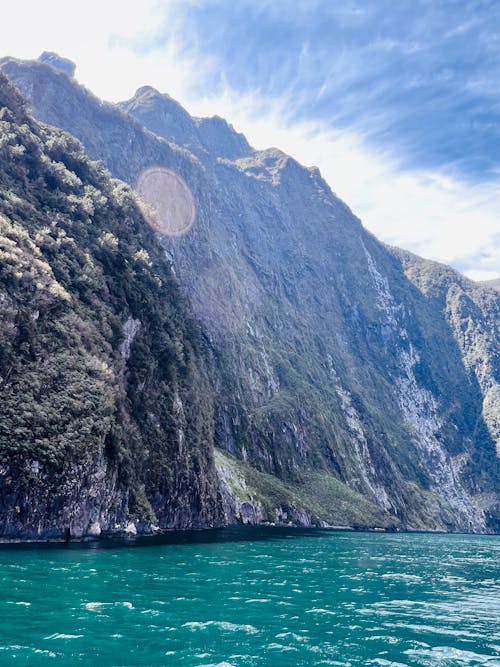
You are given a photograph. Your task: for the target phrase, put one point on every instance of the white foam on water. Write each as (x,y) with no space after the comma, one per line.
(99,606)
(281,647)
(410,578)
(223,625)
(432,629)
(386,663)
(317,610)
(454,580)
(292,635)
(378,638)
(60,635)
(453,657)
(43,651)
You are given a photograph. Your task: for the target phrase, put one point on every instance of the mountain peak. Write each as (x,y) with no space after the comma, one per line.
(150,94)
(147,91)
(164,116)
(58,62)
(220,138)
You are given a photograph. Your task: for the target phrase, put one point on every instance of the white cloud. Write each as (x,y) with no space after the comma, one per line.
(116,48)
(99,36)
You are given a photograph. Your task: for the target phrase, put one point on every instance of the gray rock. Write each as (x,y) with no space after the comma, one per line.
(62,64)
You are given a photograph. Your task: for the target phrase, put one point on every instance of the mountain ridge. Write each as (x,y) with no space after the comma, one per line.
(335,362)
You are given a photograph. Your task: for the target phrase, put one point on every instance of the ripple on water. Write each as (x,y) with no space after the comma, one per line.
(386,663)
(432,629)
(292,635)
(282,648)
(397,576)
(222,625)
(447,656)
(328,610)
(100,606)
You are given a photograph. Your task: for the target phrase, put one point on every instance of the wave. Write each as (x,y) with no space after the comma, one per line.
(223,625)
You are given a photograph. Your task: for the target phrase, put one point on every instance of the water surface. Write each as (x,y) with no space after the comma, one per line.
(254,597)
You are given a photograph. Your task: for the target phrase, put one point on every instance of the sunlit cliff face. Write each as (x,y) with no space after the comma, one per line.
(169,203)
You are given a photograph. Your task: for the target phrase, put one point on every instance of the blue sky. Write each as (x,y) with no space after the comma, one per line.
(397,101)
(421,78)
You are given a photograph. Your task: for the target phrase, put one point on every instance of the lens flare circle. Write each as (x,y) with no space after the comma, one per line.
(169,203)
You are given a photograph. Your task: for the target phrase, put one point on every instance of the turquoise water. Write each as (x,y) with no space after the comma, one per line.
(254,597)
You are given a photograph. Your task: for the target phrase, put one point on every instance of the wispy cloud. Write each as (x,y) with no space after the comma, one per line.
(397,103)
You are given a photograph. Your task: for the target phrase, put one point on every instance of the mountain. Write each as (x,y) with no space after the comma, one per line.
(102,375)
(353,383)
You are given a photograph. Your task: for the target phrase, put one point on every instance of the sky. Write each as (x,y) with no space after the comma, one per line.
(396,101)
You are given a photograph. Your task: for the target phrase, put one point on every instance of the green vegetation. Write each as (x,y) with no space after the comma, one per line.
(77,261)
(322,496)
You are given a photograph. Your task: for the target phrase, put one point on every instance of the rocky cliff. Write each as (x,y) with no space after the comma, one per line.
(106,414)
(353,383)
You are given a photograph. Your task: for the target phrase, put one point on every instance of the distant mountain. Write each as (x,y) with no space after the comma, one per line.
(353,383)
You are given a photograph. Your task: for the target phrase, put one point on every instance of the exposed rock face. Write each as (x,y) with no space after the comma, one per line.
(130,330)
(38,503)
(354,384)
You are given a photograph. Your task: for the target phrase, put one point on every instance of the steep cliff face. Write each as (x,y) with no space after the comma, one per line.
(106,414)
(353,383)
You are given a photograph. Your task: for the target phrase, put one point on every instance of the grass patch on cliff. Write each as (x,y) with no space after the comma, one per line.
(322,496)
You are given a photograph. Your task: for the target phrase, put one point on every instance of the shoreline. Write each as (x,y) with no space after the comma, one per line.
(201,535)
